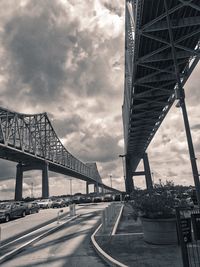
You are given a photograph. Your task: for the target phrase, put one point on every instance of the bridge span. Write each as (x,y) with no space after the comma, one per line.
(161,51)
(31,141)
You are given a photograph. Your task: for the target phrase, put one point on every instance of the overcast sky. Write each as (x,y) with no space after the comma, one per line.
(66,58)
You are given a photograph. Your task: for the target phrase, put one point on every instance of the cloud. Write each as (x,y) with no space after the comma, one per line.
(37,42)
(67,125)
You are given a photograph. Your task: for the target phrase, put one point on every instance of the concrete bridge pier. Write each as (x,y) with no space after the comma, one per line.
(102,189)
(45,180)
(129,185)
(96,188)
(87,188)
(147,171)
(19,178)
(19,182)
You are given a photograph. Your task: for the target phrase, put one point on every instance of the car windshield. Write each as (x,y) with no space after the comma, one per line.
(4,206)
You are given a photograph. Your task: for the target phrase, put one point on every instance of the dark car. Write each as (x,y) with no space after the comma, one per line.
(67,201)
(11,210)
(24,205)
(32,207)
(108,198)
(97,199)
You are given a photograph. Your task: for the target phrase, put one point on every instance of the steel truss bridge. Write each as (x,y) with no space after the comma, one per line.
(31,141)
(161,51)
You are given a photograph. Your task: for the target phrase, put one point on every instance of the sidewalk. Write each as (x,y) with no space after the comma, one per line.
(129,248)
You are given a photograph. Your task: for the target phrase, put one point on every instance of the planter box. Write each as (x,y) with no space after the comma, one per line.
(160,231)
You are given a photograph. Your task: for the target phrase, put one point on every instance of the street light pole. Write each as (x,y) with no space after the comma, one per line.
(111,180)
(32,190)
(122,156)
(70,182)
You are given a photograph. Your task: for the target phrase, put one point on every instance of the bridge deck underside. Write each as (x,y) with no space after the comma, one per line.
(150,72)
(15,155)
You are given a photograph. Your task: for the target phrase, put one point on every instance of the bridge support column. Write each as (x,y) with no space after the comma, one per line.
(147,171)
(87,188)
(129,185)
(45,181)
(19,182)
(102,189)
(96,188)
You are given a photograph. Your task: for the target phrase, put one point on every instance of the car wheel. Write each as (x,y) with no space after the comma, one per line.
(7,218)
(23,214)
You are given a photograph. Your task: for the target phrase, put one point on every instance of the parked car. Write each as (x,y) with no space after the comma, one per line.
(11,210)
(45,203)
(25,205)
(117,197)
(33,207)
(97,199)
(67,201)
(58,203)
(76,199)
(108,197)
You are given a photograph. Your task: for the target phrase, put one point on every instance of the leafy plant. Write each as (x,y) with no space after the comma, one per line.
(160,202)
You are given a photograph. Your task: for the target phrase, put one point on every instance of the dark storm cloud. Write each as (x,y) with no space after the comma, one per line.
(37,44)
(118,118)
(92,75)
(102,148)
(50,55)
(165,139)
(8,169)
(114,8)
(195,127)
(67,125)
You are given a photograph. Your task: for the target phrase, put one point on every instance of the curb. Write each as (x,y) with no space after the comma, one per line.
(22,247)
(118,220)
(102,254)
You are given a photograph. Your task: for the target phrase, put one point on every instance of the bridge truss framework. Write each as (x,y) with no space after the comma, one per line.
(161,51)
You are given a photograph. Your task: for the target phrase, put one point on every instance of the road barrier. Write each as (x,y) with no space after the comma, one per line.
(72,210)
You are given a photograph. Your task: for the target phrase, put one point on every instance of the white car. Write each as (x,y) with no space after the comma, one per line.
(45,203)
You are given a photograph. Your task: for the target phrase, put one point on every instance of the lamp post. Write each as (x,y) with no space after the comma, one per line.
(110,180)
(123,156)
(70,183)
(32,190)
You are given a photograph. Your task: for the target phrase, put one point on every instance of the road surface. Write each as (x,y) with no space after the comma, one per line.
(70,246)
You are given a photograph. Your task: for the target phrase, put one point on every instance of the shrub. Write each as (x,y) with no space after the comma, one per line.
(158,203)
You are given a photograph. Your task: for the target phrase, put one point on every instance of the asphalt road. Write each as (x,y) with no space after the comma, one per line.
(15,227)
(70,246)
